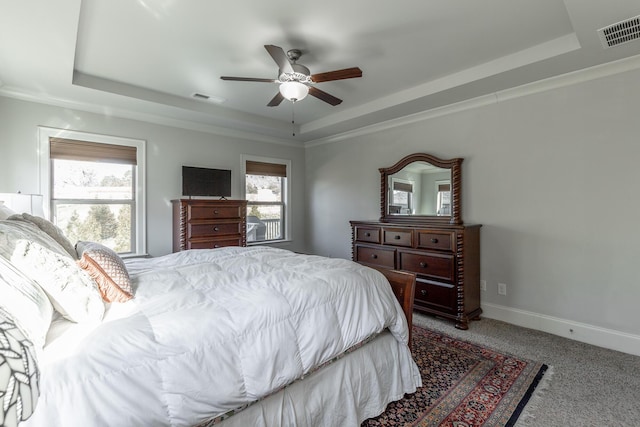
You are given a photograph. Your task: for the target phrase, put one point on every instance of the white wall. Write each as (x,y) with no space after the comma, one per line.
(168,148)
(552,177)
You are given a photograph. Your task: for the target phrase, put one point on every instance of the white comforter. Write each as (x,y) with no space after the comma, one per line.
(207,332)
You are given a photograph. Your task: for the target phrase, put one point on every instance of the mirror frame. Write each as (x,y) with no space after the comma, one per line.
(455,165)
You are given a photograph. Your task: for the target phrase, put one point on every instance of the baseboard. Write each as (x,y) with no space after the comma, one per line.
(595,335)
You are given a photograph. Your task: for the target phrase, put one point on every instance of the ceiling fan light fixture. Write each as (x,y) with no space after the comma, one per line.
(294,91)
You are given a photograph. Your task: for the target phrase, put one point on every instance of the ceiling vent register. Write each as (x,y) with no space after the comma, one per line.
(620,32)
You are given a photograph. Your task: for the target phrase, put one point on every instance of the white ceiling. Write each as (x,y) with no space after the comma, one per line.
(146,58)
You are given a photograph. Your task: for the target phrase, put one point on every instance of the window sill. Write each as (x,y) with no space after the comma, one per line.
(132,256)
(268,242)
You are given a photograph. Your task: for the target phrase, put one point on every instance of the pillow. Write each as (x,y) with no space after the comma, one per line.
(16,228)
(5,212)
(25,302)
(53,231)
(19,375)
(71,291)
(107,269)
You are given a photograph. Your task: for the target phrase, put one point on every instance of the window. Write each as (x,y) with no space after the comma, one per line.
(95,188)
(401,197)
(266,190)
(443,199)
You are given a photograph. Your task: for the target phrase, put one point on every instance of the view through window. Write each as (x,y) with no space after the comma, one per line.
(94,201)
(265,191)
(94,187)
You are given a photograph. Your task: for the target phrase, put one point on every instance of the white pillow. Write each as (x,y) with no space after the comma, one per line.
(16,228)
(53,231)
(5,212)
(73,293)
(25,302)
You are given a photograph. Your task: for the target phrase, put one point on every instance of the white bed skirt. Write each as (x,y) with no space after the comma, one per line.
(344,393)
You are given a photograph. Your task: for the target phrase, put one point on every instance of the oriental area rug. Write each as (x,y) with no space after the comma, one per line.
(464,385)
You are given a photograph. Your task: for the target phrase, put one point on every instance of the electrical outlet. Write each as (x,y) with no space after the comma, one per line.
(483,285)
(502,288)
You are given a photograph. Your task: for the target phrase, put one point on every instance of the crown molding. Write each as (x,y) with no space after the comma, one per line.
(563,80)
(568,79)
(143,117)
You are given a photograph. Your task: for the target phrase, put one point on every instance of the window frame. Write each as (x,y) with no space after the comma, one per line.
(45,176)
(286,191)
(403,182)
(439,196)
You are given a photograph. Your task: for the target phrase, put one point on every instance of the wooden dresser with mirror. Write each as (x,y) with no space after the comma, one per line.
(420,230)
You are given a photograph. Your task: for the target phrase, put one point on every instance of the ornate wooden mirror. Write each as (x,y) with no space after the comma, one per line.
(421,188)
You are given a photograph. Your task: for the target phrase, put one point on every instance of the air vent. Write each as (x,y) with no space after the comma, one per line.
(620,32)
(208,98)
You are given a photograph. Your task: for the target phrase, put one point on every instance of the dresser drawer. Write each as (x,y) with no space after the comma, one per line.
(213,243)
(433,265)
(366,234)
(441,297)
(397,237)
(214,212)
(218,229)
(439,240)
(381,257)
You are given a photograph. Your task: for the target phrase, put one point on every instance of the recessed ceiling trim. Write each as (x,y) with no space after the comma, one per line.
(575,77)
(130,114)
(540,52)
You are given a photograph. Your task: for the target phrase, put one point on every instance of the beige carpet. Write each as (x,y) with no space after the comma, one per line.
(585,386)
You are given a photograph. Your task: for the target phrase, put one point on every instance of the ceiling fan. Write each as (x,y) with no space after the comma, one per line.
(296,81)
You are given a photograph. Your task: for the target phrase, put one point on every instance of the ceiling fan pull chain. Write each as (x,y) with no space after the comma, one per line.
(293,118)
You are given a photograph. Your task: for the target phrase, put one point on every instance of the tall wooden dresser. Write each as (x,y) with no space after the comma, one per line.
(445,258)
(207,224)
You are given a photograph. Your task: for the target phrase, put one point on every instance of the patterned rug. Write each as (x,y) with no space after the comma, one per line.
(464,385)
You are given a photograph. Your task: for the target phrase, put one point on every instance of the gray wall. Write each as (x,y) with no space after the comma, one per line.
(168,148)
(551,176)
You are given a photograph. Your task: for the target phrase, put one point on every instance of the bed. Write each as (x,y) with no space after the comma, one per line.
(231,336)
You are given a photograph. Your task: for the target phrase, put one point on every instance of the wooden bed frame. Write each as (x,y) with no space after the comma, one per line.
(403,284)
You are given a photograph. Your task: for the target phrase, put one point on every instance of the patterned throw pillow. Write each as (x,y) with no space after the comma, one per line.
(107,269)
(19,374)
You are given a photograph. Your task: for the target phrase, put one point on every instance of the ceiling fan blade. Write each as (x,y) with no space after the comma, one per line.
(248,79)
(280,57)
(324,96)
(276,100)
(347,73)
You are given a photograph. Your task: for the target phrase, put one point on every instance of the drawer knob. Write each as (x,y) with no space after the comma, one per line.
(423,292)
(216,229)
(423,265)
(216,246)
(374,256)
(367,234)
(434,240)
(215,212)
(398,237)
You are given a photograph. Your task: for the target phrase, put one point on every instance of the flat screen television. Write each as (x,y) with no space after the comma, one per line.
(206,182)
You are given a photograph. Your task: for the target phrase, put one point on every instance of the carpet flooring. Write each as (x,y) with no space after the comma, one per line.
(585,385)
(464,384)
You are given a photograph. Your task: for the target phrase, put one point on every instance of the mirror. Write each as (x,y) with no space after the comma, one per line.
(421,187)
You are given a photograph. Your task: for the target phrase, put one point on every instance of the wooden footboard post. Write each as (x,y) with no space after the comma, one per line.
(403,284)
